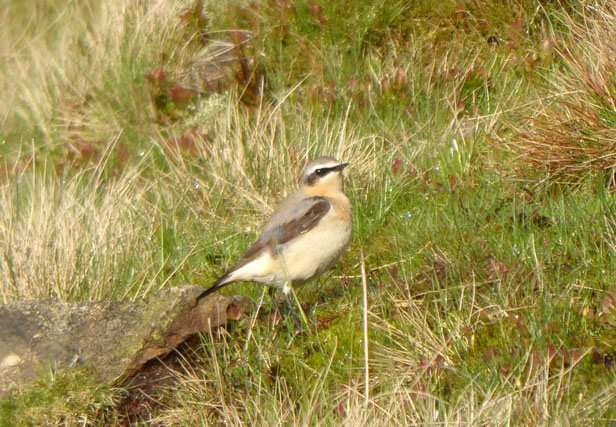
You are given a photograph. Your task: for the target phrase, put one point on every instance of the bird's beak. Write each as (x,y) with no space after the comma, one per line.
(340,167)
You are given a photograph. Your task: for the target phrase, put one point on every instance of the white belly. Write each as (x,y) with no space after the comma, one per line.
(304,257)
(315,252)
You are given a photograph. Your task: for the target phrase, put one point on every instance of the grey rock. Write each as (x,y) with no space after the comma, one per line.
(113,339)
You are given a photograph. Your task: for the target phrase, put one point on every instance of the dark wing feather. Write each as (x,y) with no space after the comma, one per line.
(291,229)
(279,235)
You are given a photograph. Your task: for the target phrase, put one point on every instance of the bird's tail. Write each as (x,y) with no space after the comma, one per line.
(216,286)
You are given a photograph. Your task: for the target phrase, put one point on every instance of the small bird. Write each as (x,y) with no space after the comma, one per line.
(307,233)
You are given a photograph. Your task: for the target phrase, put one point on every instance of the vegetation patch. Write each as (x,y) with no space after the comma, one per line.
(144,144)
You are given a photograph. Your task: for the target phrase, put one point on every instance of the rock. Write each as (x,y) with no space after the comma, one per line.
(113,339)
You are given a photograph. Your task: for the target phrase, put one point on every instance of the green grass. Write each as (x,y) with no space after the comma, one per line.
(67,397)
(488,235)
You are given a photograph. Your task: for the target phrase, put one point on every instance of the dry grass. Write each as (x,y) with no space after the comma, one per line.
(407,388)
(76,72)
(572,133)
(68,238)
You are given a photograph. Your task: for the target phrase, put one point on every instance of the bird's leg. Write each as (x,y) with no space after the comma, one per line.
(286,290)
(277,311)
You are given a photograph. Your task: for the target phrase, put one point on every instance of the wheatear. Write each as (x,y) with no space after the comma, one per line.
(307,233)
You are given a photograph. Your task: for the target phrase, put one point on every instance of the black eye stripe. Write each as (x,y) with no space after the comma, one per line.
(321,172)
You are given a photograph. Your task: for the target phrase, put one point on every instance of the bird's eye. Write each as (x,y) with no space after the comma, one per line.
(319,172)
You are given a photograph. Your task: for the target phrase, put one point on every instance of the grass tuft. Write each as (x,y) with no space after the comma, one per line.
(571,133)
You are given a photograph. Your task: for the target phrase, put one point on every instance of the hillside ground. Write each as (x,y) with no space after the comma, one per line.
(144,144)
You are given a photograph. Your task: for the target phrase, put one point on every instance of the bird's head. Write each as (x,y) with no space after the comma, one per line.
(323,176)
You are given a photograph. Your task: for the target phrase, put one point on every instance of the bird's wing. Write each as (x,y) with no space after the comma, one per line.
(289,221)
(281,229)
(305,216)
